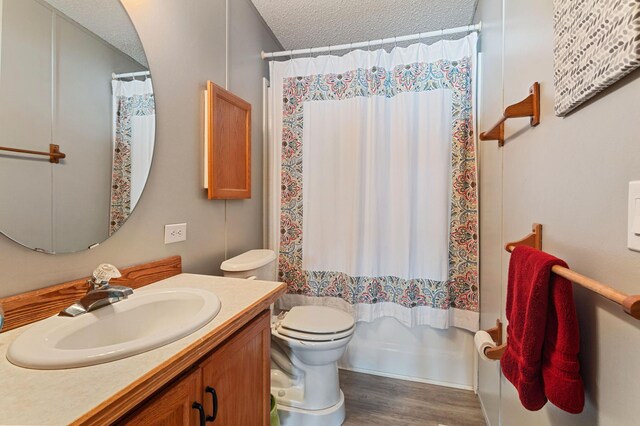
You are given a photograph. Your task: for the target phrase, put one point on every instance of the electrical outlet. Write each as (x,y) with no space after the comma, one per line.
(175,233)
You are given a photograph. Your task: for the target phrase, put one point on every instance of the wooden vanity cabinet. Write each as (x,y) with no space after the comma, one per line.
(236,374)
(240,374)
(171,406)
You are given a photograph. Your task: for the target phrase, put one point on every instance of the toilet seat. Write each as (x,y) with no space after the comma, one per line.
(316,324)
(314,337)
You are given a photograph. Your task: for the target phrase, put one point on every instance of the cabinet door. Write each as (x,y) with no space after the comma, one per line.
(239,372)
(171,407)
(229,144)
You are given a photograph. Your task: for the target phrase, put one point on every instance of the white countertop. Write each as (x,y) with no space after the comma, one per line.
(55,397)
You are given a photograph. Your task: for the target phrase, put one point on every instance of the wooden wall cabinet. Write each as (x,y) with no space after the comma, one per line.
(236,375)
(227,145)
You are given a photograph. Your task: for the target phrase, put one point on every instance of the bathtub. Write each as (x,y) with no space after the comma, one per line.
(388,348)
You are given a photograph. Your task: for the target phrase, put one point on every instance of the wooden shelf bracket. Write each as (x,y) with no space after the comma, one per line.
(529,107)
(534,239)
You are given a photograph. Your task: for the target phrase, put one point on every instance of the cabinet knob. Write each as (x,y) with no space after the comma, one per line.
(214,398)
(200,408)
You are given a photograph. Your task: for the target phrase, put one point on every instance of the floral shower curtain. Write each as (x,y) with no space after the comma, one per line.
(134,126)
(374,177)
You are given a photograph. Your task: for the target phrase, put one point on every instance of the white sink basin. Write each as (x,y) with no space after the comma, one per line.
(146,320)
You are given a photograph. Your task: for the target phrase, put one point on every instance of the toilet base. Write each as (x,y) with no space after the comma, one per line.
(332,416)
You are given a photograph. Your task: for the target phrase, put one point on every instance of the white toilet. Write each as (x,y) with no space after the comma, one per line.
(306,344)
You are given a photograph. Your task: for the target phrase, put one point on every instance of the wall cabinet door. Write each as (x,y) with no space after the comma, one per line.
(228,162)
(239,375)
(172,406)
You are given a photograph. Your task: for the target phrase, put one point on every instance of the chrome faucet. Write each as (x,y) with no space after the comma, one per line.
(100,293)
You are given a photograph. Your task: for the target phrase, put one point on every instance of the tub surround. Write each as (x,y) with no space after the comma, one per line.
(388,348)
(103,393)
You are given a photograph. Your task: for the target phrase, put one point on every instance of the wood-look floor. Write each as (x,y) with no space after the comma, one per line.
(380,401)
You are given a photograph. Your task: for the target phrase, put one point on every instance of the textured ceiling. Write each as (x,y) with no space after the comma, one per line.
(108,20)
(300,24)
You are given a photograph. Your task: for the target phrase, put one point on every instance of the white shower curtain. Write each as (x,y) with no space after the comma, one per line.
(134,127)
(375,179)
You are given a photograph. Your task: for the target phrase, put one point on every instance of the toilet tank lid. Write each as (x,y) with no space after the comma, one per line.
(249,260)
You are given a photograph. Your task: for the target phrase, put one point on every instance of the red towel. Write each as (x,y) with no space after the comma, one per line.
(541,359)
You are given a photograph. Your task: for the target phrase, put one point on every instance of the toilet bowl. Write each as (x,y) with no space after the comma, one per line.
(306,344)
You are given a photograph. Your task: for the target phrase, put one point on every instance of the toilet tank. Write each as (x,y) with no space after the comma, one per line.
(260,264)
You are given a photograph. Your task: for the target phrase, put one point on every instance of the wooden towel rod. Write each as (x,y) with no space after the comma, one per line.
(528,107)
(630,304)
(54,153)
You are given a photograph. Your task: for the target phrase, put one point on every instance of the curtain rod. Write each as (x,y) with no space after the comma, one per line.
(115,76)
(379,42)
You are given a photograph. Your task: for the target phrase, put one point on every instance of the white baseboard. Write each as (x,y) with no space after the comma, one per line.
(410,379)
(484,411)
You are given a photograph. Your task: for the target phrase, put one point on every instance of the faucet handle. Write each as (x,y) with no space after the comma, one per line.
(104,273)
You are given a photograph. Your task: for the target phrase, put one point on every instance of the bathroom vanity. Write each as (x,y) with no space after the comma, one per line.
(219,373)
(229,386)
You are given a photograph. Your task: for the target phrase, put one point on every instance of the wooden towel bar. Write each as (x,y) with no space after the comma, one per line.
(54,153)
(630,304)
(528,107)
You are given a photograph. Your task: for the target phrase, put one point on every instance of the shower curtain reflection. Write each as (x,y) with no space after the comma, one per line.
(134,125)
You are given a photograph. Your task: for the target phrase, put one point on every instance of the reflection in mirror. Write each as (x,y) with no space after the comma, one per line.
(72,74)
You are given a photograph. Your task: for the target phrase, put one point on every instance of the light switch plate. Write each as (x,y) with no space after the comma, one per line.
(633,227)
(175,233)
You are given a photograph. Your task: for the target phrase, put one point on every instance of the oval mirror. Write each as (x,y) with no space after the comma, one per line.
(77,122)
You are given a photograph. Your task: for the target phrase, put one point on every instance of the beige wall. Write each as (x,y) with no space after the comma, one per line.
(572,176)
(185,46)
